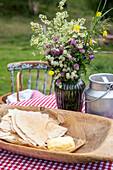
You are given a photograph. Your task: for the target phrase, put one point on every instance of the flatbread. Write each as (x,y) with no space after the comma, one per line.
(13,138)
(4,133)
(39,129)
(29,113)
(35,129)
(30,128)
(18,131)
(5,126)
(55,130)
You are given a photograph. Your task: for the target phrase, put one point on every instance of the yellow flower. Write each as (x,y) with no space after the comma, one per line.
(36,43)
(105,33)
(51,72)
(93,32)
(103,39)
(32,28)
(58,71)
(99,14)
(77,28)
(90,42)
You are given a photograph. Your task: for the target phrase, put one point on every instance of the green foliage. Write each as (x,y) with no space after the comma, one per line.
(94,3)
(14,7)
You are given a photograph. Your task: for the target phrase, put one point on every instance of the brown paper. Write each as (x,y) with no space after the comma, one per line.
(74,129)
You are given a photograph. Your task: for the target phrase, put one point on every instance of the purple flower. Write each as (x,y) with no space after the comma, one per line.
(91,56)
(48,64)
(60,43)
(53,51)
(73,42)
(57,53)
(48,46)
(63,74)
(75,49)
(76,66)
(58,81)
(55,38)
(68,43)
(70,59)
(47,52)
(82,50)
(61,49)
(54,47)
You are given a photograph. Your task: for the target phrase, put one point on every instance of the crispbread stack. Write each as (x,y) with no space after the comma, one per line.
(29,128)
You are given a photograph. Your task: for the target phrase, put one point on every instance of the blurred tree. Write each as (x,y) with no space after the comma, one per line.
(33,6)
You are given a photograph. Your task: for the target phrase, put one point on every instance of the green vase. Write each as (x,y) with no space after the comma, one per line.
(69,97)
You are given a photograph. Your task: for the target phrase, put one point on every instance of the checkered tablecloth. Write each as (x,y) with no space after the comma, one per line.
(12,161)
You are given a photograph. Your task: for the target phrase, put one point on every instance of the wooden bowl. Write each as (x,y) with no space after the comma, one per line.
(99,139)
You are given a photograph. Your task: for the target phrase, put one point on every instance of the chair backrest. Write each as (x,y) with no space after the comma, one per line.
(38,65)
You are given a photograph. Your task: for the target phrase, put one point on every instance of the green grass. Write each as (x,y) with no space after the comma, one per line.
(101,64)
(15,46)
(23,52)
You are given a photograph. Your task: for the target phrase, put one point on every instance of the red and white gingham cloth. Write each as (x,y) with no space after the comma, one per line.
(12,161)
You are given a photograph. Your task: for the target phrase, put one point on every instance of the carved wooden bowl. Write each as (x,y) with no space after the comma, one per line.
(98,146)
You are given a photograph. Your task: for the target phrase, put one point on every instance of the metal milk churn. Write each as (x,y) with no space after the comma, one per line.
(99,95)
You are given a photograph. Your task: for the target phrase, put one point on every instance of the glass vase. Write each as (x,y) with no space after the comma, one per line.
(69,97)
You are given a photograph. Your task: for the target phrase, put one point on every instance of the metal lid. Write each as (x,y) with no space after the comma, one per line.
(101,78)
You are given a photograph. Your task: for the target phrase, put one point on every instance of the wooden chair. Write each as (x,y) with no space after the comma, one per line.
(27,65)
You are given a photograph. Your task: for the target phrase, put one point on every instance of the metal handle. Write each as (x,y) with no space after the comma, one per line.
(110,87)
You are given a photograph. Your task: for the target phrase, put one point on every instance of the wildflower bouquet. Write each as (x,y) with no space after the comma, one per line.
(68,46)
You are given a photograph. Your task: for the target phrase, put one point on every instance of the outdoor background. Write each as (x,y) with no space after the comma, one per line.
(15,34)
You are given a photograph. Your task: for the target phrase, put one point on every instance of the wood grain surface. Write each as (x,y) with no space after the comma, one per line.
(98,131)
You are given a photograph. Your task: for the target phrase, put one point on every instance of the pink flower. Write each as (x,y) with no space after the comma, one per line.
(63,74)
(61,49)
(53,51)
(48,46)
(73,42)
(76,66)
(82,50)
(75,49)
(58,81)
(70,59)
(47,52)
(55,38)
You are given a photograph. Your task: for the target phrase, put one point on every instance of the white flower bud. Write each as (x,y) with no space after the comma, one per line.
(64,69)
(59,75)
(75,36)
(69,56)
(61,65)
(60,62)
(52,62)
(82,35)
(80,46)
(63,58)
(65,52)
(68,76)
(68,69)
